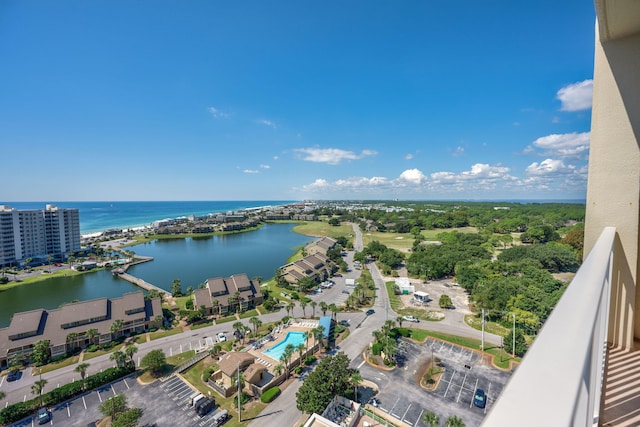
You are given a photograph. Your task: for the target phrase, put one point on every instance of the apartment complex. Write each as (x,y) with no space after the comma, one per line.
(78,324)
(224,294)
(38,234)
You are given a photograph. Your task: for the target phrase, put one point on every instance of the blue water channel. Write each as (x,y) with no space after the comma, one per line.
(192,261)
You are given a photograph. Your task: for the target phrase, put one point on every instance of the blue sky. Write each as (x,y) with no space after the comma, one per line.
(243,100)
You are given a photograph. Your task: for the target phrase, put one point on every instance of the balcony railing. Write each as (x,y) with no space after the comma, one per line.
(559,382)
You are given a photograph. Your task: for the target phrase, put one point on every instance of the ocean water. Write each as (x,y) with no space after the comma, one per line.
(100,216)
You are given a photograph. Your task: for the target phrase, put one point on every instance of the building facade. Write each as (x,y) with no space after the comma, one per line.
(38,234)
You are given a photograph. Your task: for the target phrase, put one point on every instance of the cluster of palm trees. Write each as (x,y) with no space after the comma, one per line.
(318,336)
(124,357)
(73,338)
(430,418)
(384,337)
(324,307)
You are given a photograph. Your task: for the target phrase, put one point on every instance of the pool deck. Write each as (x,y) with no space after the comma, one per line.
(303,325)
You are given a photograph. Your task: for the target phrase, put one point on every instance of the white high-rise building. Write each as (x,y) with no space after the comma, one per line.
(37,234)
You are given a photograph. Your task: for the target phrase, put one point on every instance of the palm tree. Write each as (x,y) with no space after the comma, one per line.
(118,356)
(286,357)
(356,379)
(306,335)
(215,304)
(324,307)
(71,338)
(239,327)
(399,319)
(91,334)
(301,348)
(454,421)
(116,327)
(129,351)
(303,305)
(318,334)
(38,388)
(82,369)
(431,419)
(278,369)
(256,322)
(289,307)
(334,310)
(313,305)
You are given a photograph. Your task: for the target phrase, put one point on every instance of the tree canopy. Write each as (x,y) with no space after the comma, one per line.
(331,377)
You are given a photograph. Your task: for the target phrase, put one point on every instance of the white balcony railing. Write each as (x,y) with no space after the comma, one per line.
(559,382)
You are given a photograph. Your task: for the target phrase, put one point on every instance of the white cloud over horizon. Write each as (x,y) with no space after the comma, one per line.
(576,96)
(562,145)
(218,114)
(332,156)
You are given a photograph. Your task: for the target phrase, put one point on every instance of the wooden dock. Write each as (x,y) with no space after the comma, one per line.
(121,272)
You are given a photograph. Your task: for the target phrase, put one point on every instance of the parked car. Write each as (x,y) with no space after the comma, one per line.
(411,319)
(344,291)
(221,337)
(14,375)
(44,416)
(337,275)
(344,322)
(480,399)
(370,312)
(374,402)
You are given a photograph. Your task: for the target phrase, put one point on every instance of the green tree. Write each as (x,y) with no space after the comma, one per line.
(521,344)
(256,322)
(40,354)
(454,421)
(431,419)
(331,377)
(278,369)
(301,348)
(38,387)
(445,301)
(239,327)
(82,370)
(128,418)
(119,357)
(324,307)
(176,288)
(130,350)
(116,328)
(289,307)
(154,361)
(313,305)
(114,406)
(91,335)
(356,379)
(303,306)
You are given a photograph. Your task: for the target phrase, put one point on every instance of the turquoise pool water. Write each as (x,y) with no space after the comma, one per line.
(276,351)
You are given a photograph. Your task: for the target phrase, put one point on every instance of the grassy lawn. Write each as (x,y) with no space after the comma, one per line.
(91,355)
(56,365)
(193,375)
(182,301)
(226,319)
(405,240)
(202,325)
(321,229)
(161,333)
(248,314)
(179,359)
(43,276)
(491,327)
(501,359)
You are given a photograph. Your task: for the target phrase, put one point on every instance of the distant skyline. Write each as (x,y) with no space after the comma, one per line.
(253,100)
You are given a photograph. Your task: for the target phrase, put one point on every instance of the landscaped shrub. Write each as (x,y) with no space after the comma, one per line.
(92,348)
(297,370)
(376,348)
(207,373)
(269,395)
(405,332)
(294,295)
(309,360)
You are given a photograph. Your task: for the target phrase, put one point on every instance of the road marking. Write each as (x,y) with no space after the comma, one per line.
(125,383)
(99,397)
(419,416)
(2,380)
(450,381)
(84,403)
(68,411)
(405,413)
(474,393)
(356,368)
(24,399)
(113,390)
(461,387)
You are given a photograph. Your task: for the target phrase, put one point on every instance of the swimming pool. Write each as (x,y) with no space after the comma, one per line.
(276,351)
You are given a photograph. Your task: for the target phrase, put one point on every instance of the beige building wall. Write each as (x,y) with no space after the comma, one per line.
(613,192)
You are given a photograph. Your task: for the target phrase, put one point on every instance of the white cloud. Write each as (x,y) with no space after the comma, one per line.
(250,171)
(408,156)
(563,145)
(414,176)
(332,156)
(576,96)
(268,123)
(548,167)
(265,167)
(217,113)
(458,152)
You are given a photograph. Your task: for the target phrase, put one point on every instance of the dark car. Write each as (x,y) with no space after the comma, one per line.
(337,275)
(370,312)
(44,416)
(14,375)
(480,399)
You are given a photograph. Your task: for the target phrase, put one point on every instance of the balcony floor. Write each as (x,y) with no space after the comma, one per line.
(622,388)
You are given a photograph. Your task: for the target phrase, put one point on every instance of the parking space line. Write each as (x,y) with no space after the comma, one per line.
(461,387)
(125,383)
(68,411)
(405,412)
(113,390)
(84,403)
(419,416)
(474,393)
(450,381)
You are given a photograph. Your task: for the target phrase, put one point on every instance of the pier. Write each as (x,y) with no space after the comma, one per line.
(121,272)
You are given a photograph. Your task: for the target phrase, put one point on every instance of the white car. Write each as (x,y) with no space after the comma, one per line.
(221,337)
(411,319)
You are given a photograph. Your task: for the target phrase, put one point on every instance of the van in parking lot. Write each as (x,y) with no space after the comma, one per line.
(195,399)
(204,406)
(220,417)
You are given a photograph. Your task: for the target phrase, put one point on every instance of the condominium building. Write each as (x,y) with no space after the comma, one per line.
(38,234)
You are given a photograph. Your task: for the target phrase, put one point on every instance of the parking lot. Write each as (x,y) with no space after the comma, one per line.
(464,371)
(164,404)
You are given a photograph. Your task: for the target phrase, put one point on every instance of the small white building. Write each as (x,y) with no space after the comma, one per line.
(420,296)
(405,285)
